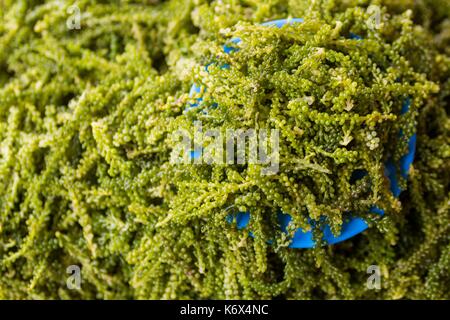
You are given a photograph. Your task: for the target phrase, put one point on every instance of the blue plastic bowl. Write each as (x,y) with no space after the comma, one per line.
(352,225)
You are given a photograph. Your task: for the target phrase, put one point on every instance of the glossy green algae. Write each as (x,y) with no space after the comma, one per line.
(86,120)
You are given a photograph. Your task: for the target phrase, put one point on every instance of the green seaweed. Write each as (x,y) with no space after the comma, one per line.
(86,123)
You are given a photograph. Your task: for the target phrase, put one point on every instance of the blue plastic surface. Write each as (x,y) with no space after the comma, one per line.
(352,225)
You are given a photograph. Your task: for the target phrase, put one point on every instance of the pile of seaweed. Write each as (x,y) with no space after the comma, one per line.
(87,116)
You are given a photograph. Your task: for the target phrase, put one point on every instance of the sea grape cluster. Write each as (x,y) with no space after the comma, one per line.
(87,117)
